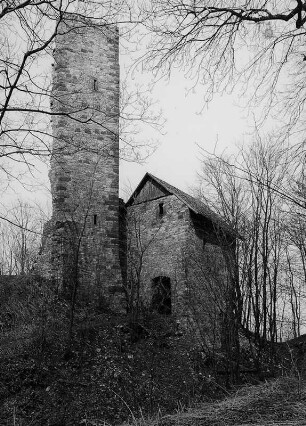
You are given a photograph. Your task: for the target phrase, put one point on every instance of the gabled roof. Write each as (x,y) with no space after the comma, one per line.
(195,205)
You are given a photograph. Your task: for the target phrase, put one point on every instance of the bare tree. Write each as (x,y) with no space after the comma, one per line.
(256,46)
(253,198)
(20,238)
(138,252)
(28,31)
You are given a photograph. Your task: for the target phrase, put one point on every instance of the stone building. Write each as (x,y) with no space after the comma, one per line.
(180,254)
(164,249)
(81,243)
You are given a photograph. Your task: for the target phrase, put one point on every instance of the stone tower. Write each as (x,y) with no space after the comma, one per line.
(84,171)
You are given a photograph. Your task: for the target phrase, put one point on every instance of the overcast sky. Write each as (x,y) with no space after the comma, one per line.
(189,123)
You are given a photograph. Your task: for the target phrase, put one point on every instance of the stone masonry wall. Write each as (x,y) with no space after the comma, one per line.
(84,171)
(189,253)
(156,247)
(208,280)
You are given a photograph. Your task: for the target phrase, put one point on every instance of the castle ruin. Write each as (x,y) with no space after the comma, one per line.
(163,250)
(83,243)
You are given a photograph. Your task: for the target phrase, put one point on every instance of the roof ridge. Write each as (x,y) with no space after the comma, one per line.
(194,204)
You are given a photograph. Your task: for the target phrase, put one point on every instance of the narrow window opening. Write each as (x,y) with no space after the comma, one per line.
(161,209)
(95,84)
(204,243)
(95,219)
(161,299)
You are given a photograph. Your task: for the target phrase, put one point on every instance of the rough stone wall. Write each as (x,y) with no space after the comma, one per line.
(84,171)
(156,247)
(123,239)
(189,253)
(208,280)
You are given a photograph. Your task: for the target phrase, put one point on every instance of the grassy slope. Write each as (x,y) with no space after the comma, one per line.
(277,402)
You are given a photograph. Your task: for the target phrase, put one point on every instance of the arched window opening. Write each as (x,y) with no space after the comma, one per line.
(95,84)
(161,299)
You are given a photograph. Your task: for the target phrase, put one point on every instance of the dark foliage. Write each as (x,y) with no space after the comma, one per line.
(114,370)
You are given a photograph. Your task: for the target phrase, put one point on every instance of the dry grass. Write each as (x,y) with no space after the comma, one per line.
(279,402)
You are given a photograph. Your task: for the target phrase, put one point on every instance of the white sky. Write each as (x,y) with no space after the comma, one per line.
(177,159)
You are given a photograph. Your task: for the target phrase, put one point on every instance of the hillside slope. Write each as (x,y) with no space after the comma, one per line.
(278,402)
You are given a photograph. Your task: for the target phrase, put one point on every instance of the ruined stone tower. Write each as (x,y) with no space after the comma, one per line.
(84,171)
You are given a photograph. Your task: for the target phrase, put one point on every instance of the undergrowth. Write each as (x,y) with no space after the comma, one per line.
(117,372)
(108,376)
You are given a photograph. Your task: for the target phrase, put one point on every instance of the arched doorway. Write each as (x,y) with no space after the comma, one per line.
(161,295)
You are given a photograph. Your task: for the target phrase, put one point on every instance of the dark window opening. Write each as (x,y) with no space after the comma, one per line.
(95,84)
(161,209)
(161,299)
(95,219)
